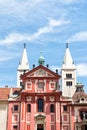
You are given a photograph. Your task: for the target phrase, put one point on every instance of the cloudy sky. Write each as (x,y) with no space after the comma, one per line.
(44,25)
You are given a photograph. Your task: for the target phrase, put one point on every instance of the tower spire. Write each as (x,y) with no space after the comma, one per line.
(68,60)
(67,45)
(24,45)
(23,65)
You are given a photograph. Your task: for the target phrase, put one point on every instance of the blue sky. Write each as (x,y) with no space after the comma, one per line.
(44,25)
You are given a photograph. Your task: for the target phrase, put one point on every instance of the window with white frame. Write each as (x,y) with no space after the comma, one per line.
(15,117)
(29,85)
(15,108)
(52,108)
(65,109)
(28,107)
(52,85)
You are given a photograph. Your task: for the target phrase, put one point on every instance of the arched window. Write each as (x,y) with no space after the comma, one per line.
(52,108)
(28,108)
(83,114)
(40,105)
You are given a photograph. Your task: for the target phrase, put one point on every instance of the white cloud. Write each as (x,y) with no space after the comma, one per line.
(80,36)
(54,23)
(16,37)
(49,28)
(13,38)
(18,4)
(82,69)
(18,9)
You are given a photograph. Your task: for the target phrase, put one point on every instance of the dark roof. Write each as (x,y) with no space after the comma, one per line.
(78,95)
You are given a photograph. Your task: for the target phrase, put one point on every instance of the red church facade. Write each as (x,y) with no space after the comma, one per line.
(39,105)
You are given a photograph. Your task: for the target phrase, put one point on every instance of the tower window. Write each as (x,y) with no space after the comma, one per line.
(28,108)
(52,108)
(40,105)
(69,83)
(69,76)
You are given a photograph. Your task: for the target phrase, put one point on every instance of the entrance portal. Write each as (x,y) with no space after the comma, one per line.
(40,121)
(40,127)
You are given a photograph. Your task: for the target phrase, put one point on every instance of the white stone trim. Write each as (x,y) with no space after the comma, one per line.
(17,114)
(22,111)
(13,107)
(57,112)
(65,114)
(52,122)
(50,88)
(27,113)
(44,85)
(52,98)
(29,82)
(28,98)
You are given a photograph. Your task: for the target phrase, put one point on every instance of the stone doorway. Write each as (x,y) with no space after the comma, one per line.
(40,127)
(40,123)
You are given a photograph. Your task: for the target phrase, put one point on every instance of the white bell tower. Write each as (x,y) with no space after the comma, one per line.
(23,66)
(68,74)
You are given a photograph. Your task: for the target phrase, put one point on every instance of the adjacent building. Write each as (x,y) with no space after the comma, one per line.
(4,92)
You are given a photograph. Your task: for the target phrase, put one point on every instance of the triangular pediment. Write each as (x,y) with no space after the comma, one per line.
(41,71)
(40,116)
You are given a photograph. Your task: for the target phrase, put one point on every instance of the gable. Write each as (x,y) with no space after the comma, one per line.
(40,71)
